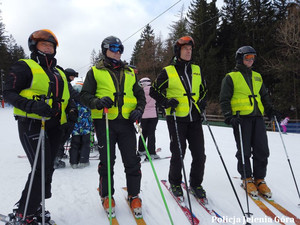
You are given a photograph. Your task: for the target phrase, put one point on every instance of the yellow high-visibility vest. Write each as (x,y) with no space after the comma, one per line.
(40,86)
(242,99)
(176,90)
(106,87)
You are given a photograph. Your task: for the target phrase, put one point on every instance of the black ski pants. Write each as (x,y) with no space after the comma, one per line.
(29,132)
(255,144)
(67,129)
(80,149)
(192,133)
(148,130)
(121,132)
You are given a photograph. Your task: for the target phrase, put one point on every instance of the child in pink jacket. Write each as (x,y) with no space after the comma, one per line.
(284,123)
(149,121)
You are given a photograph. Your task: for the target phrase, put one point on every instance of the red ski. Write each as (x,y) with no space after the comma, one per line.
(182,205)
(204,204)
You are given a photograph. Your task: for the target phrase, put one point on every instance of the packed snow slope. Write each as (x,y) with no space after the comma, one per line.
(76,201)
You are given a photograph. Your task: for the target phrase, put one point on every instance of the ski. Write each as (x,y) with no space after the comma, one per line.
(272,202)
(138,220)
(182,205)
(281,209)
(204,203)
(7,220)
(114,218)
(147,160)
(263,207)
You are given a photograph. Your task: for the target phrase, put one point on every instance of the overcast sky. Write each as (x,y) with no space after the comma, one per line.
(81,25)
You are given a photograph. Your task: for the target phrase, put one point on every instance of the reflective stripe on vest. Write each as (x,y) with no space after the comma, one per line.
(176,90)
(40,86)
(106,87)
(242,99)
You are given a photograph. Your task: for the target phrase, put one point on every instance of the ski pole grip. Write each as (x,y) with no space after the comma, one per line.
(105,110)
(172,110)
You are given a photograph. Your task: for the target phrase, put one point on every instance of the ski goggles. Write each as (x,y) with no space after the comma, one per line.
(44,35)
(185,40)
(116,48)
(249,57)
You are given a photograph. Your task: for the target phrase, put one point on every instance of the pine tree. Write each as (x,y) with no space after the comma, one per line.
(144,54)
(203,21)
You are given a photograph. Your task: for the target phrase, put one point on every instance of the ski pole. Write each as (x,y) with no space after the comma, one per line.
(154,172)
(108,164)
(182,163)
(244,165)
(41,143)
(288,159)
(227,173)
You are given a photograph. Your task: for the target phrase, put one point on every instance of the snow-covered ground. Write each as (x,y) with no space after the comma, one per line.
(76,201)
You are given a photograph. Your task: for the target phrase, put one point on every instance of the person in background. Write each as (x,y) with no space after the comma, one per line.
(180,89)
(244,99)
(149,121)
(112,84)
(68,127)
(80,142)
(284,123)
(28,83)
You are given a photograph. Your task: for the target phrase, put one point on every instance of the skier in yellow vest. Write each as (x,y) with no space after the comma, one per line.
(244,99)
(112,84)
(27,82)
(180,86)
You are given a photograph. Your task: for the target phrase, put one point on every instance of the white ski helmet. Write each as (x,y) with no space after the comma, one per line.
(145,81)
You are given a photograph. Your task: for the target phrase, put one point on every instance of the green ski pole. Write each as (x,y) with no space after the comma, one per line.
(154,172)
(108,165)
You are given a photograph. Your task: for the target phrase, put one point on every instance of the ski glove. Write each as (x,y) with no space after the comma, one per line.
(136,115)
(73,115)
(40,107)
(172,102)
(233,120)
(104,102)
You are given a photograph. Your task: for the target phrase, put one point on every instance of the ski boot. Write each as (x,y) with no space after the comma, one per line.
(199,193)
(105,204)
(17,219)
(136,206)
(176,190)
(39,218)
(83,165)
(141,153)
(263,188)
(251,188)
(154,156)
(58,163)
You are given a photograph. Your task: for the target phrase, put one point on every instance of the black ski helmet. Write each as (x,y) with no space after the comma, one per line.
(186,40)
(245,50)
(41,35)
(71,72)
(110,41)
